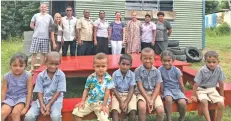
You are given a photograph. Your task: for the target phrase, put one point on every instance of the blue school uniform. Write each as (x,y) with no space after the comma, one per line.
(48,87)
(17,88)
(171,82)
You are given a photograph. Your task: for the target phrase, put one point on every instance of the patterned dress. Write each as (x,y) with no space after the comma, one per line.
(133,37)
(17,88)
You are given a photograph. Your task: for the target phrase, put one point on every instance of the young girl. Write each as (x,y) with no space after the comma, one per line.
(173,87)
(16,88)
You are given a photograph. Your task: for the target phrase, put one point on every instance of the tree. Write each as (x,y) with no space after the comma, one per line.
(224,4)
(211,6)
(16,16)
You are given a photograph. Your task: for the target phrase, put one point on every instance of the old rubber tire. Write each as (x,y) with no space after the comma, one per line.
(173,43)
(177,51)
(176,48)
(193,54)
(180,57)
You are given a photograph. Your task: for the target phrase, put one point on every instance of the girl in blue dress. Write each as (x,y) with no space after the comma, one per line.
(16,88)
(173,87)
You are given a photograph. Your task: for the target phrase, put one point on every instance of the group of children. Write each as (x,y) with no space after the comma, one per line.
(140,91)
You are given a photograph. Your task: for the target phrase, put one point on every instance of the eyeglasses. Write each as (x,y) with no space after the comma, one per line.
(68,10)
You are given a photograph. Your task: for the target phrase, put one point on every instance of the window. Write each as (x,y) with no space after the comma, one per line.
(162,5)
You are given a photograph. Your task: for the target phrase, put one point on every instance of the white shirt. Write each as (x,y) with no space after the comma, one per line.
(147,32)
(69,28)
(102,30)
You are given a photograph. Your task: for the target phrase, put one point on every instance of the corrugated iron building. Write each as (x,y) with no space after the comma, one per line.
(188,27)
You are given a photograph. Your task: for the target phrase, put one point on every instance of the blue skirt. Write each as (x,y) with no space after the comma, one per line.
(176,94)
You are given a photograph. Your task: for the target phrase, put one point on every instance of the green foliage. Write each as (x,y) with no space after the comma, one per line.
(16,16)
(222,30)
(224,4)
(211,6)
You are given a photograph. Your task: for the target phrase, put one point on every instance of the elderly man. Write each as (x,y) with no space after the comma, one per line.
(85,34)
(69,36)
(41,23)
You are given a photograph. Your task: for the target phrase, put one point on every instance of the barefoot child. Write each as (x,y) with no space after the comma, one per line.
(50,85)
(173,87)
(123,99)
(148,80)
(97,91)
(204,88)
(16,88)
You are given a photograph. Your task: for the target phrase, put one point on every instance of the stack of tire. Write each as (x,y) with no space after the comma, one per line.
(189,54)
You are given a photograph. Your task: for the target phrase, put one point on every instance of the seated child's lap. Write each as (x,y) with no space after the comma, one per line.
(158,102)
(88,108)
(209,94)
(131,105)
(175,94)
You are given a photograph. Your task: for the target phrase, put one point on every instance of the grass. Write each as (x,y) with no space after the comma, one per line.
(74,88)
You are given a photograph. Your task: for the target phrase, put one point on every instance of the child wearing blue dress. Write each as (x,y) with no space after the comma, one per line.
(16,88)
(173,87)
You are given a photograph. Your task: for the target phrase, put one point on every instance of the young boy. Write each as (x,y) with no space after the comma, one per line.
(123,99)
(204,88)
(50,85)
(96,93)
(148,80)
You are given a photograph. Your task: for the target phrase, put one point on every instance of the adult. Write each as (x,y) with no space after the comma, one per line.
(85,34)
(116,34)
(41,23)
(101,33)
(56,33)
(69,34)
(133,35)
(163,31)
(148,33)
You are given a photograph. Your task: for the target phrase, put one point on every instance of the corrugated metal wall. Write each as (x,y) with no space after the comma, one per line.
(109,6)
(187,28)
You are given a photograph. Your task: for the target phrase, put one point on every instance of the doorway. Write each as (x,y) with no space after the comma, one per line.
(60,6)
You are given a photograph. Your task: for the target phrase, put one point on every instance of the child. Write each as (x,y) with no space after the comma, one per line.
(50,85)
(16,88)
(96,93)
(204,88)
(124,99)
(173,87)
(148,80)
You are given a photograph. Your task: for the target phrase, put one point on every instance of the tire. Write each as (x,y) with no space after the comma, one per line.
(173,43)
(177,51)
(176,48)
(193,54)
(180,57)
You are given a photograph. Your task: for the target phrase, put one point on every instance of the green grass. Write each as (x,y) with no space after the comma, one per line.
(75,85)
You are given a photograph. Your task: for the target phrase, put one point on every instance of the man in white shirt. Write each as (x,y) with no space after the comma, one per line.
(40,23)
(69,36)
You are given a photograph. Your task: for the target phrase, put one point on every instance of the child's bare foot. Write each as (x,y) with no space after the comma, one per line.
(181,119)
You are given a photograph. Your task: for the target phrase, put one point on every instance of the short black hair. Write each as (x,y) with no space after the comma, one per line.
(125,57)
(160,13)
(68,7)
(101,11)
(211,54)
(21,57)
(167,53)
(148,15)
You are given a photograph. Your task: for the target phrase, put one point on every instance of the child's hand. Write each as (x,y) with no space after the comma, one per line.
(80,105)
(125,106)
(104,109)
(43,110)
(24,111)
(48,109)
(194,98)
(150,105)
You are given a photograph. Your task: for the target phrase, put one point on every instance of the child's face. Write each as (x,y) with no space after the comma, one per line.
(167,62)
(147,59)
(17,67)
(211,62)
(100,66)
(52,64)
(124,65)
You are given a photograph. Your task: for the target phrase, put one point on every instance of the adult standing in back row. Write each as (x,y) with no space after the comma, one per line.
(163,31)
(116,34)
(85,34)
(40,22)
(69,36)
(101,33)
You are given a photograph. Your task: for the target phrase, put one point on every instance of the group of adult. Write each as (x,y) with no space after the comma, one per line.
(93,37)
